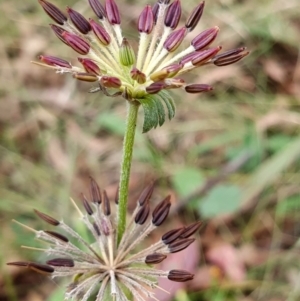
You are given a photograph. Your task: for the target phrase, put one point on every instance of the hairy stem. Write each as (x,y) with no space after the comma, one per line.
(132,113)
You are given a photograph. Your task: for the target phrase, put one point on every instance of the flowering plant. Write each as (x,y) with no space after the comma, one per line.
(111,265)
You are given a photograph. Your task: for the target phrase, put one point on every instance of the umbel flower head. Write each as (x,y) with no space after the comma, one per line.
(104,267)
(108,59)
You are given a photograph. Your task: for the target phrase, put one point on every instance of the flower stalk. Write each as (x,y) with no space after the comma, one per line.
(132,113)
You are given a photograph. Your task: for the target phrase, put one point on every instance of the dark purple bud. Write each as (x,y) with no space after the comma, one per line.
(161,211)
(98,9)
(172,235)
(54,61)
(76,43)
(47,218)
(90,66)
(175,38)
(190,229)
(80,22)
(110,82)
(142,214)
(194,17)
(86,77)
(146,20)
(230,57)
(173,14)
(86,205)
(100,33)
(53,12)
(155,87)
(58,32)
(180,245)
(96,228)
(180,276)
(205,55)
(41,268)
(155,10)
(58,236)
(155,258)
(138,76)
(95,192)
(61,262)
(112,12)
(205,38)
(198,88)
(146,194)
(106,204)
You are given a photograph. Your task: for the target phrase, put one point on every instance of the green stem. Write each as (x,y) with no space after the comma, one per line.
(132,113)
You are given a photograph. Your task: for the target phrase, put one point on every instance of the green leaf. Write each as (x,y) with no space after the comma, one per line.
(151,118)
(186,180)
(168,100)
(154,111)
(160,111)
(221,199)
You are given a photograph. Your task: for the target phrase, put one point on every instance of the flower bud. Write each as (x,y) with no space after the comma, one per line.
(155,258)
(142,214)
(146,20)
(155,87)
(95,192)
(205,38)
(110,82)
(180,276)
(174,40)
(138,76)
(173,14)
(146,194)
(53,12)
(127,55)
(76,43)
(100,33)
(155,9)
(106,204)
(180,245)
(86,205)
(205,55)
(194,17)
(190,229)
(230,56)
(47,218)
(167,72)
(198,88)
(58,32)
(61,262)
(90,66)
(112,12)
(161,211)
(79,21)
(86,77)
(98,9)
(172,235)
(58,236)
(54,61)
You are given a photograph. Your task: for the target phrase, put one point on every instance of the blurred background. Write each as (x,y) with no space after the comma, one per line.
(229,157)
